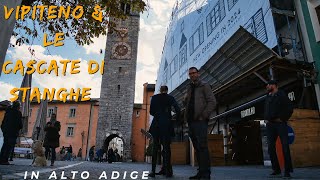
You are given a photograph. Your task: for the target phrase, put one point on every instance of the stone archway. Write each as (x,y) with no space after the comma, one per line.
(110,137)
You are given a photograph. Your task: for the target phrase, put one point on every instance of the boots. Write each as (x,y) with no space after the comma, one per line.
(152,174)
(169,172)
(162,171)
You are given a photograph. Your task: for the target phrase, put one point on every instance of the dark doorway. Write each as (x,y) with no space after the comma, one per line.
(113,147)
(247,145)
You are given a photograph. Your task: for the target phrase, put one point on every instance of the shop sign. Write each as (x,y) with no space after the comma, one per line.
(248,112)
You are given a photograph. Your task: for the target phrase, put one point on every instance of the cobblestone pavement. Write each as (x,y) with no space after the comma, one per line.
(64,170)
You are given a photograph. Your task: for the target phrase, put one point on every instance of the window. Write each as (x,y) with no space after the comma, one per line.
(199,10)
(70,131)
(50,112)
(174,65)
(125,8)
(137,113)
(183,55)
(256,26)
(165,77)
(231,3)
(172,41)
(314,11)
(182,26)
(216,15)
(30,112)
(72,112)
(196,39)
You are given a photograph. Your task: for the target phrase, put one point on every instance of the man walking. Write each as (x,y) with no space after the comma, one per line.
(52,136)
(161,128)
(69,153)
(199,103)
(278,110)
(10,127)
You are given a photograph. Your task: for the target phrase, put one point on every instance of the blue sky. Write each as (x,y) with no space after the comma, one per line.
(153,26)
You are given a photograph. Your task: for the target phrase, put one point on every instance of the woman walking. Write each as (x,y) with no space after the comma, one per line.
(51,140)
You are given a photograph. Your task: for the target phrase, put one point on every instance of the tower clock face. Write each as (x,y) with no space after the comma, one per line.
(121,50)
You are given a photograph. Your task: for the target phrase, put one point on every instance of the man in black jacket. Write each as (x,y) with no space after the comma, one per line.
(11,125)
(51,141)
(162,129)
(278,110)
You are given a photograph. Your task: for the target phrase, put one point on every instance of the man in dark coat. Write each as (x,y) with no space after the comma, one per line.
(110,155)
(91,153)
(79,155)
(161,128)
(69,153)
(10,127)
(100,153)
(199,103)
(278,110)
(51,140)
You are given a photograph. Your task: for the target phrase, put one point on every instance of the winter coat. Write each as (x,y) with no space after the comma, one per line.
(52,136)
(204,101)
(12,123)
(160,109)
(278,106)
(70,150)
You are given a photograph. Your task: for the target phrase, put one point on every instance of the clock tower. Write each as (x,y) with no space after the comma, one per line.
(118,83)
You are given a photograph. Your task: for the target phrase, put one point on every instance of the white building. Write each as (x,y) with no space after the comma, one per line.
(117,144)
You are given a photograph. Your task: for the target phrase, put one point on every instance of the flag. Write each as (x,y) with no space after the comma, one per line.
(38,129)
(25,103)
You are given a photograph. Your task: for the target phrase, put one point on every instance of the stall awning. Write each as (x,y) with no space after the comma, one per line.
(240,68)
(238,55)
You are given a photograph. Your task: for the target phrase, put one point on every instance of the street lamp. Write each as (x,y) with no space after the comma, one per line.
(38,132)
(82,138)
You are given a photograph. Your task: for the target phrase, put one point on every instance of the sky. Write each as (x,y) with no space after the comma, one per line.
(153,25)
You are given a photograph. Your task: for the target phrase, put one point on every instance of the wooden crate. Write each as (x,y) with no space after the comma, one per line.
(215,144)
(180,152)
(306,147)
(305,113)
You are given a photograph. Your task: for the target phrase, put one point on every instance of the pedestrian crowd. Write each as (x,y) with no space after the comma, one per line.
(104,155)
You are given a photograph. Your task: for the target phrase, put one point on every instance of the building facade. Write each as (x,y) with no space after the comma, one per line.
(238,46)
(78,123)
(309,17)
(117,145)
(141,121)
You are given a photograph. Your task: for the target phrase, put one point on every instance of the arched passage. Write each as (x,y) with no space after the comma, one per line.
(115,142)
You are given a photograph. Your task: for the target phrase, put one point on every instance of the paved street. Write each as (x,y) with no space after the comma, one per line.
(64,170)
